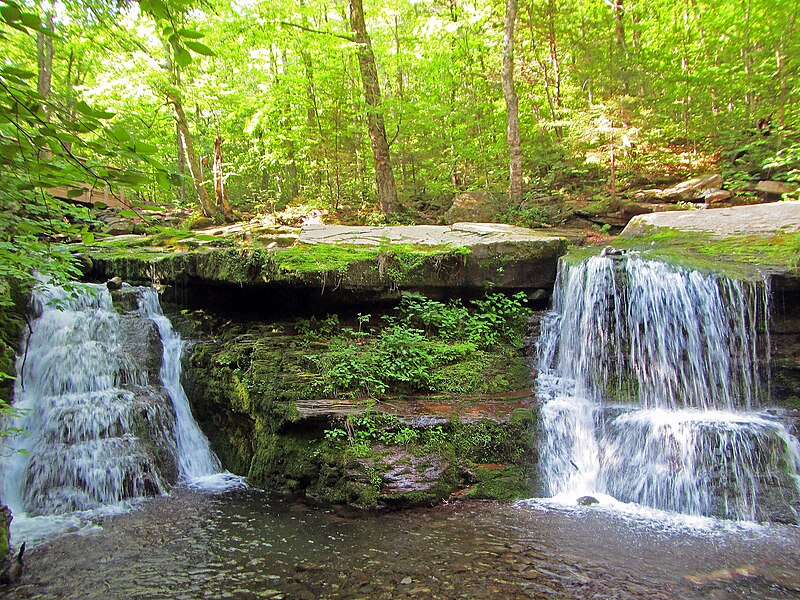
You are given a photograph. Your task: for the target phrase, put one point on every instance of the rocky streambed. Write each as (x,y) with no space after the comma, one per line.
(247,545)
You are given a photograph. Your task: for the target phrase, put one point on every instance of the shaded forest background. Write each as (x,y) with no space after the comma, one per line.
(248,106)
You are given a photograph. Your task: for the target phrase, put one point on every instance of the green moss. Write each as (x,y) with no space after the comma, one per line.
(737,256)
(506,484)
(483,372)
(495,442)
(600,207)
(304,258)
(12,323)
(792,402)
(247,383)
(285,462)
(5,534)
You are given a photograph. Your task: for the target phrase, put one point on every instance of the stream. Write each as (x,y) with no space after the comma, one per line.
(245,544)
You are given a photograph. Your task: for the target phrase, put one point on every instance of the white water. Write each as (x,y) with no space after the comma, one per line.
(651,375)
(100,434)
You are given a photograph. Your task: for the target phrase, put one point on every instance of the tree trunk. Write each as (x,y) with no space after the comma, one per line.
(512,106)
(219,181)
(619,29)
(44,60)
(384,177)
(551,38)
(185,139)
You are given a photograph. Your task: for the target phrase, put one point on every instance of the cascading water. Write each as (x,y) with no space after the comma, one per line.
(105,416)
(650,375)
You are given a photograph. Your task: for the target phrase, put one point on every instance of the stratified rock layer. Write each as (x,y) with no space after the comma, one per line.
(377,262)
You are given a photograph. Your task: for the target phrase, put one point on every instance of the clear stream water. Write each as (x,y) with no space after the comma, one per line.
(244,545)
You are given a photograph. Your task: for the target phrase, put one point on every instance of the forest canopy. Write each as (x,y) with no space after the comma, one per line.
(382,111)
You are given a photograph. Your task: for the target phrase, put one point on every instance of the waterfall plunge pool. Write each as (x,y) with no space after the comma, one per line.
(244,544)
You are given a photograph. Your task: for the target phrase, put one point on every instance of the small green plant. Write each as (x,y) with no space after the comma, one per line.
(317,328)
(413,347)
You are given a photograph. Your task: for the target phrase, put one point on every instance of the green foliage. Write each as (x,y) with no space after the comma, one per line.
(652,100)
(360,431)
(426,346)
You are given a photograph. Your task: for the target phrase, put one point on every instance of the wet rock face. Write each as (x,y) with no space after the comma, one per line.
(785,342)
(141,349)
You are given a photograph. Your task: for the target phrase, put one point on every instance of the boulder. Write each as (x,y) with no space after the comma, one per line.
(776,188)
(693,190)
(758,219)
(119,226)
(719,196)
(650,195)
(473,207)
(587,500)
(632,209)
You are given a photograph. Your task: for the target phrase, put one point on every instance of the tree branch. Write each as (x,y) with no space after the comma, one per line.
(344,36)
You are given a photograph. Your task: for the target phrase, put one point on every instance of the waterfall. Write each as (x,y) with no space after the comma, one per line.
(651,376)
(99,398)
(197,464)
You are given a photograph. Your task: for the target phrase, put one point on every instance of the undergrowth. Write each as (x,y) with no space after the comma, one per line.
(419,347)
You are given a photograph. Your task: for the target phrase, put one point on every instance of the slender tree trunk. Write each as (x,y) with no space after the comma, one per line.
(181,163)
(747,59)
(619,28)
(219,181)
(781,60)
(44,59)
(620,45)
(384,177)
(181,158)
(512,106)
(687,72)
(192,163)
(551,38)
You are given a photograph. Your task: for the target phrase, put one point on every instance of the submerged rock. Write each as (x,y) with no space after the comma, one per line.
(587,500)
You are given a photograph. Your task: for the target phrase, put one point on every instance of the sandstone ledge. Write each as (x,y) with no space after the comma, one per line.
(758,219)
(378,261)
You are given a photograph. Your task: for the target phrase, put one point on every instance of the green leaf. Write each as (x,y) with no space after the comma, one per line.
(190,34)
(199,48)
(75,192)
(20,73)
(156,164)
(10,14)
(119,134)
(162,179)
(143,148)
(182,56)
(128,214)
(30,20)
(158,9)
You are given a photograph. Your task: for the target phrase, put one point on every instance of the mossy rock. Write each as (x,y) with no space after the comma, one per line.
(498,482)
(5,535)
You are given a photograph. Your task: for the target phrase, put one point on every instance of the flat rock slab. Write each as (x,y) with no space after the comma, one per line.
(353,264)
(758,219)
(458,234)
(426,411)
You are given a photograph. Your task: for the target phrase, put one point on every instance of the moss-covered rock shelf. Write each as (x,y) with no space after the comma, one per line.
(377,261)
(340,415)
